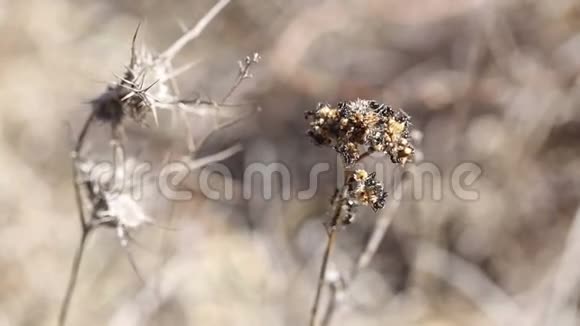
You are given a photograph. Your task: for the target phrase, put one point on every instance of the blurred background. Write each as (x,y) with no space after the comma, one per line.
(495,83)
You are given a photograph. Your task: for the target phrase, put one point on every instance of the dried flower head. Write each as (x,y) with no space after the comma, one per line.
(355,127)
(365,190)
(361,189)
(128,97)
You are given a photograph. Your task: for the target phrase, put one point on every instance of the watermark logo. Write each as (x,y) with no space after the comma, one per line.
(424,180)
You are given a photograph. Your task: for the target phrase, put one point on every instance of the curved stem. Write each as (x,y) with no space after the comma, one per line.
(81,139)
(75,157)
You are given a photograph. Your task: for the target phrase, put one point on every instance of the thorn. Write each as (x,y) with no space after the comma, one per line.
(133,59)
(155,117)
(128,96)
(149,87)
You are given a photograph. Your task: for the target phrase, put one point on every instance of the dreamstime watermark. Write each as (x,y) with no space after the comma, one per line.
(423,180)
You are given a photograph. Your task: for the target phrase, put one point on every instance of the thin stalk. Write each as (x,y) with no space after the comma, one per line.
(73,278)
(75,156)
(322,275)
(85,226)
(327,317)
(244,73)
(379,231)
(223,125)
(194,32)
(81,140)
(337,203)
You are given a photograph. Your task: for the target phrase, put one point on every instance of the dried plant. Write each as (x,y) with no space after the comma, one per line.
(148,85)
(362,126)
(355,130)
(339,285)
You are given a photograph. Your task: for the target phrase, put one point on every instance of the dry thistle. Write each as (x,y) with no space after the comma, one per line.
(356,129)
(127,98)
(147,85)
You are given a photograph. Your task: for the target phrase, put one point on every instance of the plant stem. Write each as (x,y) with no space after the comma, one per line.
(337,205)
(379,231)
(327,317)
(322,275)
(194,32)
(73,278)
(81,139)
(75,157)
(332,229)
